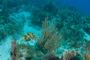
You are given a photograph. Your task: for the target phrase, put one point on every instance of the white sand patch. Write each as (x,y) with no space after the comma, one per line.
(5,48)
(86,37)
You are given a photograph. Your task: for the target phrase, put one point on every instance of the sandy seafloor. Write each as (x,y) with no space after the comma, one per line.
(5,45)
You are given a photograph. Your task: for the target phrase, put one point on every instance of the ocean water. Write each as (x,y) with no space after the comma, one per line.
(82,5)
(44,30)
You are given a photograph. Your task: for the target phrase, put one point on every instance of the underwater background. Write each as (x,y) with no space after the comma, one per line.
(44,30)
(82,5)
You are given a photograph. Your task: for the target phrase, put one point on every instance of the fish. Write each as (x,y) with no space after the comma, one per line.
(28,36)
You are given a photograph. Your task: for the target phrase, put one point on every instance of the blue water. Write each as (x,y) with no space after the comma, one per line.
(82,5)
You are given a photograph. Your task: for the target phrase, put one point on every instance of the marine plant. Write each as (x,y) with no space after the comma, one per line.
(10,29)
(51,8)
(86,55)
(4,8)
(65,14)
(13,29)
(4,13)
(38,14)
(69,23)
(49,37)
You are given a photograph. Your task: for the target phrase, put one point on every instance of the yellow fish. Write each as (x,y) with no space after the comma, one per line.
(28,37)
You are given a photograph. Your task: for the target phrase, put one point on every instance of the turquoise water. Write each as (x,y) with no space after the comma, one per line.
(44,30)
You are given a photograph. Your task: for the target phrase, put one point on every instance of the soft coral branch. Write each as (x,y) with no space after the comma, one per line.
(49,37)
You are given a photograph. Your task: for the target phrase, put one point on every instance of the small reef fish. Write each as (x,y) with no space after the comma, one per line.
(28,37)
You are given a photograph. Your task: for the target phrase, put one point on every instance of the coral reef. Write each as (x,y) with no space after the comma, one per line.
(39,14)
(50,57)
(4,9)
(68,55)
(23,51)
(10,29)
(12,52)
(55,41)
